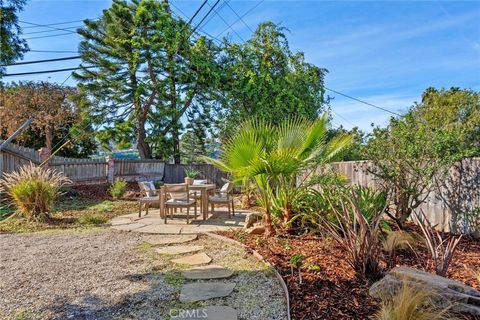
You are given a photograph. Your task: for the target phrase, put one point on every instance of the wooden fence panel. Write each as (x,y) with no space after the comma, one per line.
(175,173)
(136,170)
(93,171)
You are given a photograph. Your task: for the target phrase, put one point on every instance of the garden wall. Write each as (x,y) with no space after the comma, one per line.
(448,207)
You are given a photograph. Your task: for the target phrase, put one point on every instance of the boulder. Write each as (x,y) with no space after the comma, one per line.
(256,230)
(251,218)
(448,293)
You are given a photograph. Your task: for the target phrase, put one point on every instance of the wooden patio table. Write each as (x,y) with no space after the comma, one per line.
(204,191)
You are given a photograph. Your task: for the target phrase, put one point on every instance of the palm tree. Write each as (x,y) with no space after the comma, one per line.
(273,157)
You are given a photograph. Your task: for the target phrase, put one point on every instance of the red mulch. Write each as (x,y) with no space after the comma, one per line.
(330,290)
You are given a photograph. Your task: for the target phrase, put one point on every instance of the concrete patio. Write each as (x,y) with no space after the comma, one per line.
(152,223)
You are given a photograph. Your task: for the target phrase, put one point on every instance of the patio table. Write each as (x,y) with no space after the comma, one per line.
(204,190)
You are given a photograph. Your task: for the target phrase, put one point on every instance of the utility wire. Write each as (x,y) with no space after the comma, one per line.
(197,12)
(44,71)
(46,26)
(53,35)
(241,19)
(208,13)
(46,31)
(41,61)
(362,101)
(50,24)
(226,23)
(53,51)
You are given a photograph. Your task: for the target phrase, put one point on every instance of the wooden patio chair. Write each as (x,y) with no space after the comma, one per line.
(223,196)
(151,196)
(179,196)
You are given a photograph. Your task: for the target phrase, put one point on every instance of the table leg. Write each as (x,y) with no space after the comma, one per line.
(205,203)
(162,203)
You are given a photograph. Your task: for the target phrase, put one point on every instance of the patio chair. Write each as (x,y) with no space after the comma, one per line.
(179,196)
(198,195)
(151,196)
(223,196)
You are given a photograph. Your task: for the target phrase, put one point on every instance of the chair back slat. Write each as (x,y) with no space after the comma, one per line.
(177,191)
(148,188)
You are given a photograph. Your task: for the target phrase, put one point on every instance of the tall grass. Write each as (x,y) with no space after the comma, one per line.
(118,188)
(32,190)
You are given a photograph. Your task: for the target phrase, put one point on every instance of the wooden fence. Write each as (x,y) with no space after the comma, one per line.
(103,170)
(448,206)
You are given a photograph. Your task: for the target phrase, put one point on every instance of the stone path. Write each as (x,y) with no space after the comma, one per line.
(198,291)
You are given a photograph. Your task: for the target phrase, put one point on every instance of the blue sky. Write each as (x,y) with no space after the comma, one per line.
(383,52)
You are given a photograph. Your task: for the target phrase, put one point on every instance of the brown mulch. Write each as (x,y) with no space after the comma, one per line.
(329,289)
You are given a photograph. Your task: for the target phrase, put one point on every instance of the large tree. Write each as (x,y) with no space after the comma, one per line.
(265,79)
(54,114)
(417,149)
(12,47)
(142,65)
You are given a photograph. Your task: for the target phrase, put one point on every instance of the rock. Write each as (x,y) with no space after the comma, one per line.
(192,292)
(207,272)
(171,239)
(256,230)
(448,293)
(178,249)
(251,218)
(206,313)
(193,260)
(128,227)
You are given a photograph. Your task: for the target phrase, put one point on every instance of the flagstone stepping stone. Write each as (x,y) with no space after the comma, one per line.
(208,313)
(192,292)
(178,249)
(128,227)
(193,260)
(162,240)
(207,272)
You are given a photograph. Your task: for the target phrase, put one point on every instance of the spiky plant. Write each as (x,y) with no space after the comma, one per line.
(412,303)
(396,240)
(273,156)
(32,190)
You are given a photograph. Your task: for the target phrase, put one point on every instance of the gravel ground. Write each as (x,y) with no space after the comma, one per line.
(107,274)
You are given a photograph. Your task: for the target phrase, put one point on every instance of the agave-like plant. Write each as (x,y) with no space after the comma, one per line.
(274,156)
(33,189)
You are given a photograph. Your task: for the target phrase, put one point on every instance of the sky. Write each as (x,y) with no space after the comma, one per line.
(383,52)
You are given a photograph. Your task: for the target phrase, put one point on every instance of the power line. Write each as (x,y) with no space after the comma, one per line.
(53,35)
(41,61)
(50,24)
(364,102)
(44,71)
(197,12)
(208,13)
(241,19)
(226,23)
(45,31)
(53,51)
(46,26)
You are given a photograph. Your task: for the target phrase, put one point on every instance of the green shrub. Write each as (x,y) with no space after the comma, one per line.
(33,189)
(118,188)
(191,172)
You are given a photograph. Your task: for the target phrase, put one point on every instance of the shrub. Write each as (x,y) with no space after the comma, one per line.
(441,248)
(356,234)
(412,303)
(33,189)
(117,189)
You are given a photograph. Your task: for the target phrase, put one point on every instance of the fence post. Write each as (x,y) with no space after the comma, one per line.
(44,154)
(110,169)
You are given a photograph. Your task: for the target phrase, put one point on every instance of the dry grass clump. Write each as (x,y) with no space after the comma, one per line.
(412,303)
(32,190)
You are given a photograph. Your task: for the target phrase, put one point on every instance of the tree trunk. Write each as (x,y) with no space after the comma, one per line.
(269,230)
(176,144)
(49,138)
(142,146)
